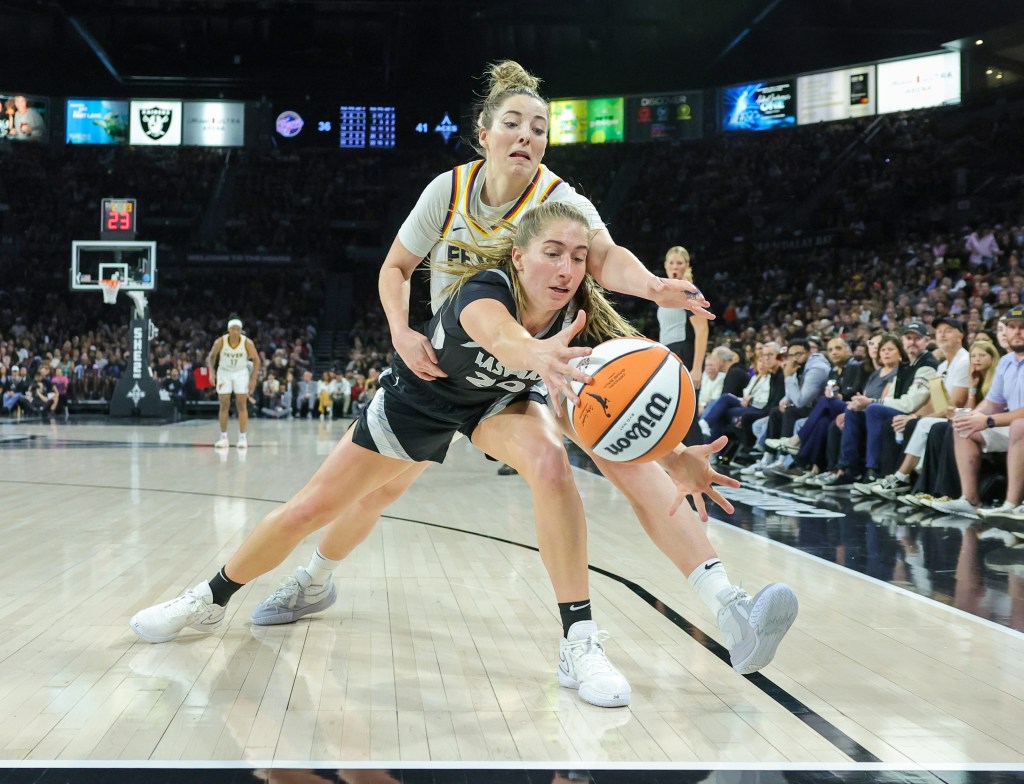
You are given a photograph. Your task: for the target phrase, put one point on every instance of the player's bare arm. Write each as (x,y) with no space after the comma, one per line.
(211,361)
(394,287)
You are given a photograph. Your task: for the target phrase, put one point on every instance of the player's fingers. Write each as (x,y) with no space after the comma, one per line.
(556,401)
(718,444)
(722,501)
(574,328)
(724,479)
(702,512)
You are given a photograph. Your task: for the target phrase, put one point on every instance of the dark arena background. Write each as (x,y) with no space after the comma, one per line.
(838,170)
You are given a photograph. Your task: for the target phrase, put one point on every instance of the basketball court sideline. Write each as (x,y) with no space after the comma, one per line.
(443,644)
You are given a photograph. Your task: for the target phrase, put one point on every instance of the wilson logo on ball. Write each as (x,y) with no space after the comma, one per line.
(644,427)
(639,405)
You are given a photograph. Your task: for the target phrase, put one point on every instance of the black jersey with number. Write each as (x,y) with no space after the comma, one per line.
(475,377)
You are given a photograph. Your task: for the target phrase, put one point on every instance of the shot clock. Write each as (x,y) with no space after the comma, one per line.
(117,219)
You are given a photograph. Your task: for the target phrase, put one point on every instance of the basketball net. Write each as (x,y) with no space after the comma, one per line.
(110,288)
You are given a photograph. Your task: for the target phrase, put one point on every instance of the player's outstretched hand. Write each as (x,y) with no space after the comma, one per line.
(690,468)
(418,355)
(552,362)
(674,293)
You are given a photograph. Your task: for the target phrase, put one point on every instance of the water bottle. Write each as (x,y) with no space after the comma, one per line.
(899,437)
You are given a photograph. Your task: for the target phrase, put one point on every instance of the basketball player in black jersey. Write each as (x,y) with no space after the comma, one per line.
(499,332)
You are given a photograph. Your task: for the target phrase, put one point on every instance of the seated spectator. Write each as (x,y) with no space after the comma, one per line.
(324,401)
(175,390)
(891,357)
(41,396)
(713,378)
(845,379)
(278,401)
(948,392)
(996,425)
(765,388)
(984,359)
(341,395)
(305,396)
(806,370)
(909,392)
(16,394)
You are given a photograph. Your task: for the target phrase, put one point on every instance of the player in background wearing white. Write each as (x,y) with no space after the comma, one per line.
(231,374)
(470,200)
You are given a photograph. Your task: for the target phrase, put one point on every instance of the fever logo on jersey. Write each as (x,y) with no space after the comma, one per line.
(156,121)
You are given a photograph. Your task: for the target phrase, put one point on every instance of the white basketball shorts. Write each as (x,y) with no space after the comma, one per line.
(233,381)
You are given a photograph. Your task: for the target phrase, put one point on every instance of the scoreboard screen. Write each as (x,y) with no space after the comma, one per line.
(382,127)
(667,117)
(351,127)
(346,126)
(759,106)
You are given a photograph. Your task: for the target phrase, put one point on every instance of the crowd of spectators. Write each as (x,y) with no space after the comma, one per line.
(836,230)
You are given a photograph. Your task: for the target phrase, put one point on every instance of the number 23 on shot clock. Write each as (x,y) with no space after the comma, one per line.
(117,219)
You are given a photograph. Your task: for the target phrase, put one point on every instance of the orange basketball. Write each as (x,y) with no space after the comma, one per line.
(640,404)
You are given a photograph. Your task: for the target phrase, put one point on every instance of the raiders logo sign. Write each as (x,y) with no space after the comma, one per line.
(156,121)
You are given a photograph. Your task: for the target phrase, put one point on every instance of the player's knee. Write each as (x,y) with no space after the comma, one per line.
(381,499)
(547,467)
(1017,430)
(301,518)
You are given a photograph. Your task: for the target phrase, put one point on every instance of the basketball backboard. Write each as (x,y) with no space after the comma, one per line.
(131,263)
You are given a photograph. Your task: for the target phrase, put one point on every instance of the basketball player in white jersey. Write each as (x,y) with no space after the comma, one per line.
(231,374)
(512,125)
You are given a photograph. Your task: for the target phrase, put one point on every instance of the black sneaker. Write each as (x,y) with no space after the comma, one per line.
(891,487)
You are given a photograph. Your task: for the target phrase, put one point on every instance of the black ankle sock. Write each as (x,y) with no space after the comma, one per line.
(572,612)
(223,587)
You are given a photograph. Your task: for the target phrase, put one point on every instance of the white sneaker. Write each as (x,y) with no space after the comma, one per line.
(583,665)
(243,442)
(996,511)
(958,506)
(754,467)
(296,597)
(162,622)
(222,443)
(754,627)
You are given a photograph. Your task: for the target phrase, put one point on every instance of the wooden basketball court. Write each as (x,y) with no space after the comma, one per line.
(442,647)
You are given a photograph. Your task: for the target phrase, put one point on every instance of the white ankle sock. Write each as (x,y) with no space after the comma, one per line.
(902,476)
(320,568)
(708,580)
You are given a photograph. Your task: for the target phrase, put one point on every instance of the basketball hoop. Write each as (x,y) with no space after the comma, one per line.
(110,287)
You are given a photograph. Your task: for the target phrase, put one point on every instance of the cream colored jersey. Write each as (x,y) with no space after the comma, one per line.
(451,208)
(231,359)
